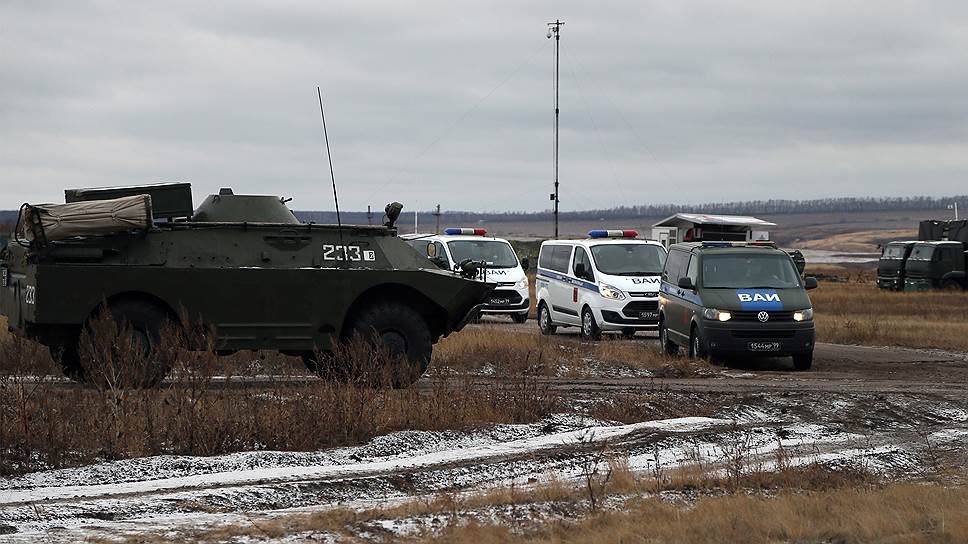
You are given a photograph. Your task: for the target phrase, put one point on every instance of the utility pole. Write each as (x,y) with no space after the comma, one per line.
(554,29)
(437,215)
(954,206)
(369,216)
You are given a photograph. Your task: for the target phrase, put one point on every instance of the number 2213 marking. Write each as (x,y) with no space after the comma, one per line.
(347,253)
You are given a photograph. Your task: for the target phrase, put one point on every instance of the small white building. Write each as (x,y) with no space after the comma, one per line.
(699,227)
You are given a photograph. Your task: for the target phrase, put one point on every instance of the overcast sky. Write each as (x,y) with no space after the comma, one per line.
(451,102)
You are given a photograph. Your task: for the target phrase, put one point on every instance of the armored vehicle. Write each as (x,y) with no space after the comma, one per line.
(243,264)
(719,298)
(891,267)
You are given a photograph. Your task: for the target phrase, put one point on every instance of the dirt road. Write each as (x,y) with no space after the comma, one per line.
(836,367)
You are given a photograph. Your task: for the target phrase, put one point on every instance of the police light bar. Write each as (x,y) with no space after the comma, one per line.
(612,234)
(766,243)
(717,244)
(474,232)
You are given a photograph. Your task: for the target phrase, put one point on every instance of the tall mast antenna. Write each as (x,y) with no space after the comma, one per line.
(339,222)
(554,29)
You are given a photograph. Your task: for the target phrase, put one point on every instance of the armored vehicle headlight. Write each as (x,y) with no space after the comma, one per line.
(522,283)
(803,315)
(608,291)
(713,313)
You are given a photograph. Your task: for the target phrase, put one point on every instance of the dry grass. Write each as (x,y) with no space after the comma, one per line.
(859,313)
(770,506)
(509,351)
(897,513)
(46,423)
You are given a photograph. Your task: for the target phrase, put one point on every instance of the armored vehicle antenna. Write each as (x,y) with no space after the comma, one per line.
(339,223)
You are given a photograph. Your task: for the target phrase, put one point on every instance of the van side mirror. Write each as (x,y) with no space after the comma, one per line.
(685,282)
(526,264)
(810,283)
(431,250)
(580,270)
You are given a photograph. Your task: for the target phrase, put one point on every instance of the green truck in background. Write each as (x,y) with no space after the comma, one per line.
(244,264)
(938,259)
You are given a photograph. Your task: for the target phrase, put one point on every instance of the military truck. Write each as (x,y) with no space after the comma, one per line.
(242,264)
(937,260)
(892,266)
(936,265)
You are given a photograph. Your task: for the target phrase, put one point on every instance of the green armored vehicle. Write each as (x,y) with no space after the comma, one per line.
(254,273)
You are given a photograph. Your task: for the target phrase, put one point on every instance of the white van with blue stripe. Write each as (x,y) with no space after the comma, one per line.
(606,282)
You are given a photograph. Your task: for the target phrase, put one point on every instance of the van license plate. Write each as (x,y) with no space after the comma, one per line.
(764,346)
(648,315)
(500,301)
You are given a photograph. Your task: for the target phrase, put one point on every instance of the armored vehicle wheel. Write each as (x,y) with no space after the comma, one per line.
(803,361)
(70,362)
(668,346)
(319,364)
(589,329)
(402,331)
(697,346)
(545,325)
(519,318)
(143,322)
(950,285)
(628,333)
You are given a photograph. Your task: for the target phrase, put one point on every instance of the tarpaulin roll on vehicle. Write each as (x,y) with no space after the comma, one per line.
(50,222)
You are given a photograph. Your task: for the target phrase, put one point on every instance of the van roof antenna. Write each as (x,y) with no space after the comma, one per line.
(339,223)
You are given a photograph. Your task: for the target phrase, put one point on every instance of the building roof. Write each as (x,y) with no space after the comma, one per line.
(705,219)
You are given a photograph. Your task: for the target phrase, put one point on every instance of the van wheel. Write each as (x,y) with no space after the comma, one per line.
(589,329)
(519,318)
(697,346)
(403,333)
(545,325)
(668,346)
(803,361)
(950,285)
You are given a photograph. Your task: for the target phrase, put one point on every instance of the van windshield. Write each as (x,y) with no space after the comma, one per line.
(739,271)
(497,254)
(893,252)
(628,259)
(921,252)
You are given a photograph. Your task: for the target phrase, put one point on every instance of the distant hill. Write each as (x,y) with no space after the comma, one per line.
(645,211)
(750,207)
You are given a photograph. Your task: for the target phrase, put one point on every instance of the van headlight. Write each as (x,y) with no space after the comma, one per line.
(716,315)
(522,283)
(608,291)
(803,315)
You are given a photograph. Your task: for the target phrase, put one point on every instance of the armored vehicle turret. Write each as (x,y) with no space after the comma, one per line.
(243,264)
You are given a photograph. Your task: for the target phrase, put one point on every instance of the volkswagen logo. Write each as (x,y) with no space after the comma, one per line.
(763,317)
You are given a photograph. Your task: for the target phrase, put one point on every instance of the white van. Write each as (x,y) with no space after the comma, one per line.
(447,250)
(607,282)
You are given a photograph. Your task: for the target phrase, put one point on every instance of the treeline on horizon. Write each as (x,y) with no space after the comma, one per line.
(658,211)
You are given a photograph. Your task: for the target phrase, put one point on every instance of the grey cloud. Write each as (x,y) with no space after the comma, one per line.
(661,102)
